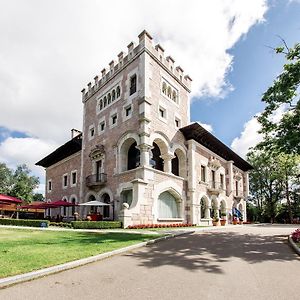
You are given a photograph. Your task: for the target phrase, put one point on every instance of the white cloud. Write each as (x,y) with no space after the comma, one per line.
(51,49)
(249,138)
(15,151)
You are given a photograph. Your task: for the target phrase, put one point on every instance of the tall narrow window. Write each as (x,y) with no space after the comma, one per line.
(236,188)
(98,169)
(49,186)
(65,180)
(203,179)
(118,92)
(222,181)
(74,178)
(132,84)
(213,178)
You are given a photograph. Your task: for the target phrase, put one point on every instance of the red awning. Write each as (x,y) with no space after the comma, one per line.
(62,203)
(9,199)
(46,205)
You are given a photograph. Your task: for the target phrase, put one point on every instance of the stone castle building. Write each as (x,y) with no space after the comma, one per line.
(138,147)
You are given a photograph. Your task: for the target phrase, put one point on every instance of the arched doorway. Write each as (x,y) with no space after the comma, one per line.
(168,206)
(129,155)
(204,207)
(106,209)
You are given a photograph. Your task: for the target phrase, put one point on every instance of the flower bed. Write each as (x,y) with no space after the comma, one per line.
(145,226)
(296,236)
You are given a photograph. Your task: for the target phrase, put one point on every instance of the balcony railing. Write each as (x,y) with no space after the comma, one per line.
(215,187)
(96,179)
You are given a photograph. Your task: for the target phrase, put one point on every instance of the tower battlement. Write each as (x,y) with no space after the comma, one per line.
(145,45)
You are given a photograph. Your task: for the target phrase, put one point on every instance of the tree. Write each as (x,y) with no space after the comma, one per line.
(283,136)
(23,183)
(5,179)
(38,197)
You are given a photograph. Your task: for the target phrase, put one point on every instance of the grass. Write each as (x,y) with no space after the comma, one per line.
(25,250)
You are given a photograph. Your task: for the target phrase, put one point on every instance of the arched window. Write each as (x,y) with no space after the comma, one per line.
(164,88)
(167,206)
(105,102)
(133,160)
(174,96)
(156,161)
(113,95)
(175,165)
(73,201)
(108,98)
(106,199)
(203,207)
(169,92)
(118,91)
(101,104)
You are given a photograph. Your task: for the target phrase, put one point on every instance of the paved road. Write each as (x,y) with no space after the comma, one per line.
(236,263)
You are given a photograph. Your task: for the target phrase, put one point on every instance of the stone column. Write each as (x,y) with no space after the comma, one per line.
(144,154)
(230,176)
(167,157)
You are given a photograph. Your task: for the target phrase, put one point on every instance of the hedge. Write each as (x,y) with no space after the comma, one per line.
(61,224)
(20,222)
(96,225)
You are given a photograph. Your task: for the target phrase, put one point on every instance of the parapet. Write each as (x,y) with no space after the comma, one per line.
(145,44)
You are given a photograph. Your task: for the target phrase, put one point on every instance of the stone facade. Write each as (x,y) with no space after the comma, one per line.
(134,154)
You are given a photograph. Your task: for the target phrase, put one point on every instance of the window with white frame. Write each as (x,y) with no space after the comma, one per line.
(162,113)
(102,126)
(128,111)
(91,132)
(114,119)
(65,180)
(177,122)
(203,173)
(169,91)
(73,178)
(133,84)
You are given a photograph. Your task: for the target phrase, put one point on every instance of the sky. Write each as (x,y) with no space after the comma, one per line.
(50,50)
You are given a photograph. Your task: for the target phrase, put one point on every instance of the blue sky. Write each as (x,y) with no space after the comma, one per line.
(254,69)
(49,53)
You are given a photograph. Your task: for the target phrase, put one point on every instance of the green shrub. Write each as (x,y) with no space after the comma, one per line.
(20,222)
(96,225)
(61,224)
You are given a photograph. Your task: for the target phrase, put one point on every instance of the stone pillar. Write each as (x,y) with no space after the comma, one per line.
(246,184)
(230,176)
(207,213)
(144,154)
(167,157)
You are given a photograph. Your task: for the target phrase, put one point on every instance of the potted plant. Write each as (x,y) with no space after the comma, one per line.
(234,220)
(215,220)
(241,220)
(223,219)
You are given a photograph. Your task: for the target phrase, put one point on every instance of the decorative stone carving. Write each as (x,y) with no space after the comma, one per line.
(97,152)
(237,175)
(214,163)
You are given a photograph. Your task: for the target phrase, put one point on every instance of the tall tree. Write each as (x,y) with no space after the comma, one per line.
(24,184)
(284,135)
(5,179)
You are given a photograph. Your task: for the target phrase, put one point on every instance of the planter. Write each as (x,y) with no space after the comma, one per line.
(234,222)
(215,223)
(223,222)
(241,222)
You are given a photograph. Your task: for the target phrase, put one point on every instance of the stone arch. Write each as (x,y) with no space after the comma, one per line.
(108,210)
(73,199)
(214,208)
(175,190)
(204,208)
(168,205)
(124,144)
(179,163)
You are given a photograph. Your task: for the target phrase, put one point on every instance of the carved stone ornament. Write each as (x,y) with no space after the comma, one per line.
(237,175)
(214,163)
(97,152)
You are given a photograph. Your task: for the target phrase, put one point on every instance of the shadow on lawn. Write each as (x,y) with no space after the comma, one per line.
(207,251)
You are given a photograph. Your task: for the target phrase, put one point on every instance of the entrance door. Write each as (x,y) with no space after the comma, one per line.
(106,209)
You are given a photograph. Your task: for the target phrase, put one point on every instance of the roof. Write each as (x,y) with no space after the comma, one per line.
(71,147)
(196,132)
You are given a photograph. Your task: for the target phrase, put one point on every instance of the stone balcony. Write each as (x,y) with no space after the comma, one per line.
(96,180)
(215,187)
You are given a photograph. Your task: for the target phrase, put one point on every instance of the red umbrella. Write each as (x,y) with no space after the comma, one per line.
(62,203)
(9,199)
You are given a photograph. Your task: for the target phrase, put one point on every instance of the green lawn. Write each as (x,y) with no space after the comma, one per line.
(23,250)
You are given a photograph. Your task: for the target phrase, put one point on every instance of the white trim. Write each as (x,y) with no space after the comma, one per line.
(63,181)
(71,178)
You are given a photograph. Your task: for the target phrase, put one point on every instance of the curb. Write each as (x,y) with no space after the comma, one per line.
(293,245)
(6,282)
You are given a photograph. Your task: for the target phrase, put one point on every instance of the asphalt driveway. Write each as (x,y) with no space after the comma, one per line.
(244,262)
